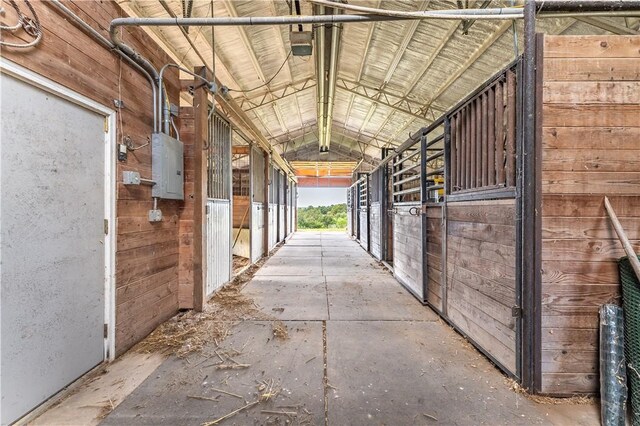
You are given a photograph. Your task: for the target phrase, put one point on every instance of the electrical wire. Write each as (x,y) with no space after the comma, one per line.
(31,26)
(268,81)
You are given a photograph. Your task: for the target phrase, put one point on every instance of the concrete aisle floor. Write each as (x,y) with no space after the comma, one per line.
(360,351)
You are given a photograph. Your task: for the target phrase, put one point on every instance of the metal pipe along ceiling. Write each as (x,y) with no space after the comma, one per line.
(336,31)
(326,74)
(320,76)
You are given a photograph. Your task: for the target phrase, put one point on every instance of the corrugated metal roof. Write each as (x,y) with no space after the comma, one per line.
(422,66)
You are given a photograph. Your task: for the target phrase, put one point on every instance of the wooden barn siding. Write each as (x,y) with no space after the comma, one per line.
(241,211)
(147,254)
(591,148)
(186,222)
(433,256)
(374,231)
(481,274)
(407,248)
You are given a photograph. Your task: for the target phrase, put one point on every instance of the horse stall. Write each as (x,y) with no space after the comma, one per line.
(363,210)
(241,177)
(376,213)
(274,177)
(503,231)
(258,203)
(291,207)
(351,208)
(219,205)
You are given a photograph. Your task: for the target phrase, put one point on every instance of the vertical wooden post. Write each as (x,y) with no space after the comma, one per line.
(453,153)
(474,141)
(511,129)
(484,172)
(499,103)
(201,137)
(491,141)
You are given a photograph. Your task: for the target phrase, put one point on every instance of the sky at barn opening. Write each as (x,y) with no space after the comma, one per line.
(321,196)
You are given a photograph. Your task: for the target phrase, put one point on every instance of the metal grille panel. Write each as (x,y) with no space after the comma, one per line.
(219,158)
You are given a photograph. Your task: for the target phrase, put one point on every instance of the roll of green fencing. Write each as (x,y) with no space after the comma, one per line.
(613,377)
(631,305)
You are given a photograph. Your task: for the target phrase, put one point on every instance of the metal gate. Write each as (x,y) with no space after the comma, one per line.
(219,206)
(53,252)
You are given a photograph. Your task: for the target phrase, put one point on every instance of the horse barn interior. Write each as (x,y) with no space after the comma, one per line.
(163,279)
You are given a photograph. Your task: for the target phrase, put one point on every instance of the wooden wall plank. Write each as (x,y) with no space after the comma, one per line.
(590,148)
(601,160)
(591,69)
(593,92)
(588,138)
(604,115)
(605,46)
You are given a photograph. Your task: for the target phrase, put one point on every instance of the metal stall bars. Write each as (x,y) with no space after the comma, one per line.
(219,204)
(376,213)
(258,203)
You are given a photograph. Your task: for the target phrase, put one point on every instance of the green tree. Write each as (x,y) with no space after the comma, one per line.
(323,217)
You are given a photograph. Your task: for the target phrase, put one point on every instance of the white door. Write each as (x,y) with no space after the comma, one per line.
(52,242)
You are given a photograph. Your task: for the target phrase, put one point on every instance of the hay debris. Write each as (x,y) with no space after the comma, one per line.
(547,400)
(191,331)
(280,330)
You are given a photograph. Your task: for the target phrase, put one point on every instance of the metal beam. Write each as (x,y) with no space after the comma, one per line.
(309,152)
(395,101)
(275,94)
(228,4)
(408,36)
(607,26)
(502,28)
(362,62)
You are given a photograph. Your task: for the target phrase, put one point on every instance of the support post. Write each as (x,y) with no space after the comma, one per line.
(201,137)
(529,210)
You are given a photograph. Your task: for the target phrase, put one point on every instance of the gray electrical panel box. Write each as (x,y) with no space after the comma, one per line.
(167,167)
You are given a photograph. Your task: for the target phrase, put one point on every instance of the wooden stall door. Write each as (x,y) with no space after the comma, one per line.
(481,276)
(407,248)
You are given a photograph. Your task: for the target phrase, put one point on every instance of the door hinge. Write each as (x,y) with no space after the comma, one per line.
(516,312)
(106,227)
(106,330)
(106,125)
(206,209)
